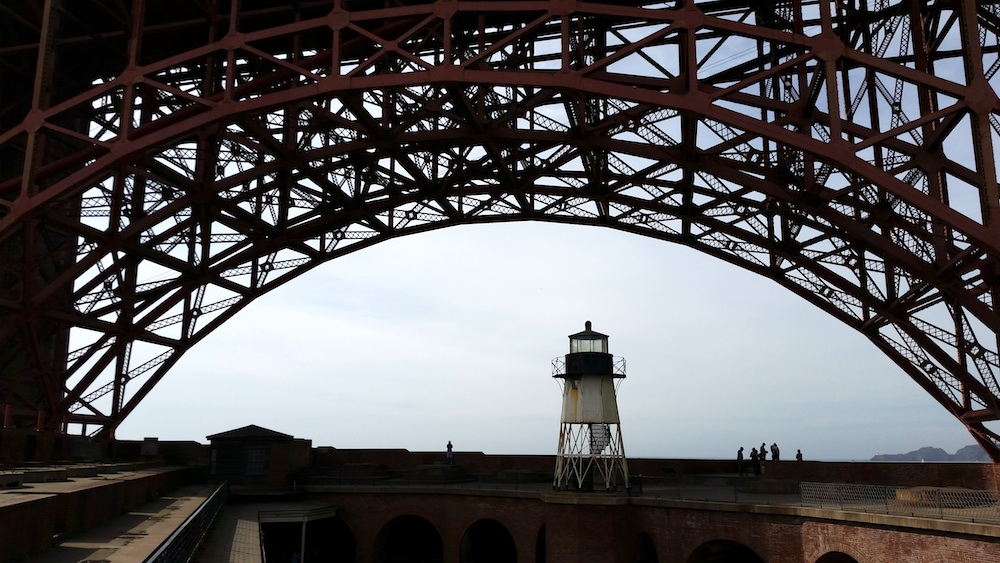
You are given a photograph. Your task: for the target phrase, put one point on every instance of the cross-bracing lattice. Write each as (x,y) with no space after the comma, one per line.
(159,178)
(590,454)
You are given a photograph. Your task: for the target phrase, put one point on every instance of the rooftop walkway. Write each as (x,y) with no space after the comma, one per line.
(130,537)
(134,536)
(235,537)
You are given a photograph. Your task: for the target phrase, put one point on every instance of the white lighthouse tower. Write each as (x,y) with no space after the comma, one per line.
(591,450)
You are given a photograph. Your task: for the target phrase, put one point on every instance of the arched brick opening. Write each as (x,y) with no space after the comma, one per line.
(408,539)
(645,549)
(335,543)
(487,541)
(723,551)
(540,546)
(324,539)
(836,557)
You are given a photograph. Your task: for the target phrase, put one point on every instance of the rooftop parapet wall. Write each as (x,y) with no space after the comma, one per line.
(403,461)
(982,476)
(173,452)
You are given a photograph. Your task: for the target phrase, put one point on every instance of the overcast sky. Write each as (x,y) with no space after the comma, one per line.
(449,335)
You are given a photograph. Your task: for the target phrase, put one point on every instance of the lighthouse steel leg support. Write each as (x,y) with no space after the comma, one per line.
(575,458)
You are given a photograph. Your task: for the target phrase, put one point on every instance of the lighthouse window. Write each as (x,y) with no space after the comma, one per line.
(587,346)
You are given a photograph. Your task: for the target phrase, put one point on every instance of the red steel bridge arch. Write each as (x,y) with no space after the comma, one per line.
(163,164)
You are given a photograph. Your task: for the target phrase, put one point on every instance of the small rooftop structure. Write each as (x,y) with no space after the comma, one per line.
(257,458)
(250,432)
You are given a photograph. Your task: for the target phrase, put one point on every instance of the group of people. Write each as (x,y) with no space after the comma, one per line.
(758,457)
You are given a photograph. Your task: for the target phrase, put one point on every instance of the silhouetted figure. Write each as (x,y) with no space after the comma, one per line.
(450,455)
(755,462)
(798,455)
(739,462)
(775,452)
(763,451)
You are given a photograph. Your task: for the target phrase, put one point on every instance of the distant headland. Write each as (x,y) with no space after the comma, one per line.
(968,453)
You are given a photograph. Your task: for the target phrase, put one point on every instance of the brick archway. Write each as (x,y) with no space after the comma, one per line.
(723,551)
(487,540)
(408,538)
(645,549)
(836,557)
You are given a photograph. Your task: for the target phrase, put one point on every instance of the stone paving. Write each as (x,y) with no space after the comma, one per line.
(235,537)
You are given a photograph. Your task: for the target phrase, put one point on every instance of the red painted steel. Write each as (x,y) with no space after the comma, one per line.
(164,164)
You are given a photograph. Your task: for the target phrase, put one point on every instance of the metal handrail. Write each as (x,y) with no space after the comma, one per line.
(559,366)
(180,546)
(930,502)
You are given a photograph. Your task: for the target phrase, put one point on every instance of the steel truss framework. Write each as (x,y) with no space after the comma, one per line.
(590,451)
(163,164)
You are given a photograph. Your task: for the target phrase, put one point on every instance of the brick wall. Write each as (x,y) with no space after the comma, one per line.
(584,527)
(886,545)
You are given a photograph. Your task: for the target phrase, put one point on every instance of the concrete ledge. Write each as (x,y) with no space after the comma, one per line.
(31,516)
(77,471)
(45,475)
(589,499)
(411,489)
(11,478)
(48,474)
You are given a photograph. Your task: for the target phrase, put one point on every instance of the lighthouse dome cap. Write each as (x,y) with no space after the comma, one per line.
(587,333)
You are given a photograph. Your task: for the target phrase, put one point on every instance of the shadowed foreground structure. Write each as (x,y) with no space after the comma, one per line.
(163,164)
(395,505)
